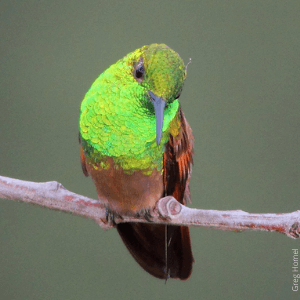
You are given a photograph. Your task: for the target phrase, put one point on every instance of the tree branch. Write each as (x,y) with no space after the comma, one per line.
(167,211)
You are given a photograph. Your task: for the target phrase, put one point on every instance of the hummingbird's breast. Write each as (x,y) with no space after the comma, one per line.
(124,192)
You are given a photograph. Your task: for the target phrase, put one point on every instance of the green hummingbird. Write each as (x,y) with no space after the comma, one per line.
(138,147)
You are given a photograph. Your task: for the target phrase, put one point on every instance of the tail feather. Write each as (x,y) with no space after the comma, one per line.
(146,243)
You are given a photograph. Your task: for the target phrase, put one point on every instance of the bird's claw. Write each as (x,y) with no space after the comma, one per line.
(112,216)
(145,213)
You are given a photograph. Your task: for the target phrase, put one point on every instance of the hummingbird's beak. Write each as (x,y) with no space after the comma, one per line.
(159,107)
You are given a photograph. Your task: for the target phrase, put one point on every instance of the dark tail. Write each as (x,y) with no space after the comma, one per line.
(147,244)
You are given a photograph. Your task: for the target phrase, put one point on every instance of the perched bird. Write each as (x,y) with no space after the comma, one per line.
(137,146)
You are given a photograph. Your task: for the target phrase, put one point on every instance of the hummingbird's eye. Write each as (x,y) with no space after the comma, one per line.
(179,93)
(139,71)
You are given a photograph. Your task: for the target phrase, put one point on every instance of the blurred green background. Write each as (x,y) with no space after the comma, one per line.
(241,98)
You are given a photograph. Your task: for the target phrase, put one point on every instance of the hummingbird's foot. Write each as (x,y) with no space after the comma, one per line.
(145,213)
(112,216)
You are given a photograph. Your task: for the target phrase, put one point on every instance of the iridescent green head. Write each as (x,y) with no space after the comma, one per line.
(127,114)
(161,71)
(164,71)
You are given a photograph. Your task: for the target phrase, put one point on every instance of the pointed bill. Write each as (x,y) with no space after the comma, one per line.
(159,107)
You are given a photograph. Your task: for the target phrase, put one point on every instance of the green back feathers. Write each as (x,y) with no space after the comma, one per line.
(117,119)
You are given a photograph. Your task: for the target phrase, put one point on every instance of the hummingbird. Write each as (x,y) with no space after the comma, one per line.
(137,146)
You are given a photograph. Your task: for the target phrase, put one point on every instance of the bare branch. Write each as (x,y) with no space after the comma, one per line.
(167,211)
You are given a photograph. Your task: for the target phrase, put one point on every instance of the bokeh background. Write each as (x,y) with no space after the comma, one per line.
(241,98)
